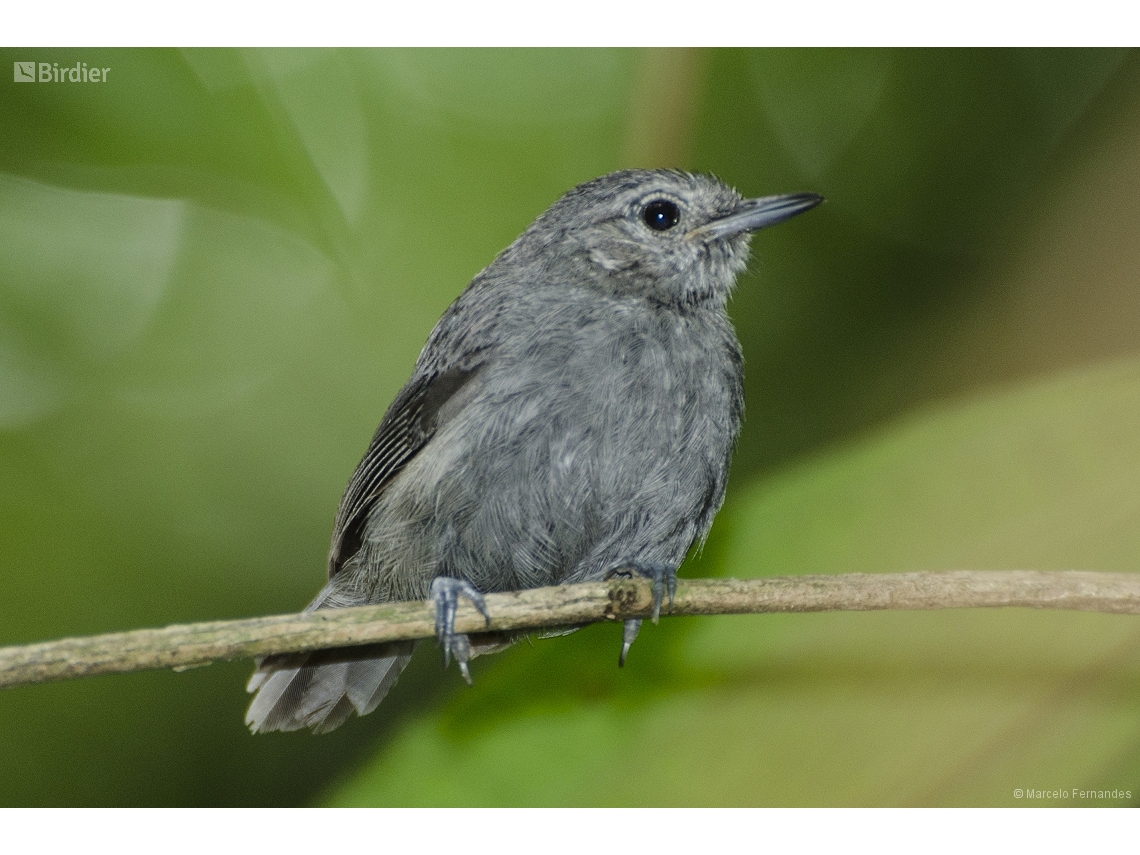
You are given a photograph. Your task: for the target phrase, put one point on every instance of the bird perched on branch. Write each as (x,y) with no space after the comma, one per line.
(570,417)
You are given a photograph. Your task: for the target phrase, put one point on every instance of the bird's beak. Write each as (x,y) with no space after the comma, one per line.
(753,214)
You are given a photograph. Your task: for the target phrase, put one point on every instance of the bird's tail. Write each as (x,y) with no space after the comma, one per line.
(323,688)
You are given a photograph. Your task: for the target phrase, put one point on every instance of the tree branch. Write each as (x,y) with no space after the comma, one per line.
(183,646)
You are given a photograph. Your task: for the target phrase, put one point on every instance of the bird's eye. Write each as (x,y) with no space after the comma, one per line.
(661,215)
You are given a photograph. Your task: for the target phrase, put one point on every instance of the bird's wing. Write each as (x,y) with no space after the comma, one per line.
(411,421)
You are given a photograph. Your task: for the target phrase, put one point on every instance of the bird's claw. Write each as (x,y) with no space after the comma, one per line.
(664,582)
(445,591)
(629,630)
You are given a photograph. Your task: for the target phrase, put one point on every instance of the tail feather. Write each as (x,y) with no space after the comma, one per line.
(367,688)
(322,689)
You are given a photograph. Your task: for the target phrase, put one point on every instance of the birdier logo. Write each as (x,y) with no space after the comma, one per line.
(52,72)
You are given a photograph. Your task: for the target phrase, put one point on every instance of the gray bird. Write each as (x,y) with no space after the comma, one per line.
(571,416)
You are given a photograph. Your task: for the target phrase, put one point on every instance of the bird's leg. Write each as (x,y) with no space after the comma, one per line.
(664,579)
(445,591)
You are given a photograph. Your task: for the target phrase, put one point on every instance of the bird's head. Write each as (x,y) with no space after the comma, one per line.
(671,236)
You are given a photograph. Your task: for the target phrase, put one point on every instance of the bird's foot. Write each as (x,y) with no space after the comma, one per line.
(663,577)
(445,591)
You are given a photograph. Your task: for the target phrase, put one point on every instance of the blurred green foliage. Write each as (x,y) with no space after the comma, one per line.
(217,268)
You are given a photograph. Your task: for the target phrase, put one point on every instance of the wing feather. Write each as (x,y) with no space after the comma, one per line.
(411,421)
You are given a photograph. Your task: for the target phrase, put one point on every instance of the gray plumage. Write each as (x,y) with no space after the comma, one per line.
(572,412)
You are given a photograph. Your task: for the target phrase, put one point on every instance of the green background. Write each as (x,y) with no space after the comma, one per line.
(217,268)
